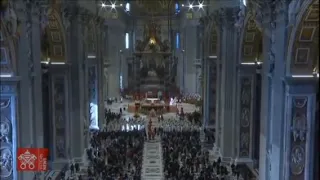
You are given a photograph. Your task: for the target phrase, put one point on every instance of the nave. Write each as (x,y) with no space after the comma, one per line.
(150,148)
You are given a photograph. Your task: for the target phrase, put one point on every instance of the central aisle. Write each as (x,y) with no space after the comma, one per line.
(152,167)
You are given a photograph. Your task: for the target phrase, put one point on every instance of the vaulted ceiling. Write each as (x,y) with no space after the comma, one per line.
(153,7)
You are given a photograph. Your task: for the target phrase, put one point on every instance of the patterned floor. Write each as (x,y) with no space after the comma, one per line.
(152,168)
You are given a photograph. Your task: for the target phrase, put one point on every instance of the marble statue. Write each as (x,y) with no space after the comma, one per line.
(241,17)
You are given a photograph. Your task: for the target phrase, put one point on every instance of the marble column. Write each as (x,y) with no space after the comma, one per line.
(228,58)
(100,71)
(190,38)
(37,76)
(75,55)
(116,34)
(278,44)
(25,135)
(105,60)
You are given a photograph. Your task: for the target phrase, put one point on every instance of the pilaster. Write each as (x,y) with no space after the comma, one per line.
(190,40)
(73,22)
(26,133)
(228,58)
(36,74)
(100,65)
(116,42)
(246,108)
(299,129)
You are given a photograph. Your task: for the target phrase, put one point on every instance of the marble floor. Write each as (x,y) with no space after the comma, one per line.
(152,168)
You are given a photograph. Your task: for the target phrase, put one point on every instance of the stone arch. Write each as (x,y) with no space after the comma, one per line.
(8,37)
(91,39)
(303,47)
(251,46)
(53,39)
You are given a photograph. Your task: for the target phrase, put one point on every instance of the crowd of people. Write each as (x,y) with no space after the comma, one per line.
(184,158)
(115,155)
(116,151)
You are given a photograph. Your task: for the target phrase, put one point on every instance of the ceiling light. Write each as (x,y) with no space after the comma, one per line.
(103,5)
(200,6)
(113,6)
(190,6)
(182,5)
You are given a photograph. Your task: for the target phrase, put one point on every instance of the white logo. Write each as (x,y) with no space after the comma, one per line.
(27,159)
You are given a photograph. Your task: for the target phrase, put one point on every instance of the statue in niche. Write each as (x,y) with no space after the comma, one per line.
(6,163)
(299,127)
(4,130)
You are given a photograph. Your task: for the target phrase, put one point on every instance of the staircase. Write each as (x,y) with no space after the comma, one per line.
(152,166)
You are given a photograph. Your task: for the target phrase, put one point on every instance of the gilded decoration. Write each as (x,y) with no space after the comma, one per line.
(53,42)
(245,116)
(298,135)
(60,116)
(252,38)
(159,7)
(305,50)
(6,138)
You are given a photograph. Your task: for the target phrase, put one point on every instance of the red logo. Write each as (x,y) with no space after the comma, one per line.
(32,159)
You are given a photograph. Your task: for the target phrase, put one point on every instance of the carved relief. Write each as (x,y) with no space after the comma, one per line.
(60,115)
(244,144)
(298,136)
(6,139)
(245,115)
(297,160)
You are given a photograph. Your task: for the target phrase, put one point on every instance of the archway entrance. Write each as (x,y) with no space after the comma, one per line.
(54,84)
(303,52)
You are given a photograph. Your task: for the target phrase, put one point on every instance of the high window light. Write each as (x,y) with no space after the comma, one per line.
(177,8)
(121,83)
(177,40)
(127,40)
(127,7)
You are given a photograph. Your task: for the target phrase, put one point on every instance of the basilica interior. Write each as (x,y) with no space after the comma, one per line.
(161,89)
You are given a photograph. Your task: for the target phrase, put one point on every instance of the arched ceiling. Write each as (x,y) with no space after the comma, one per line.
(252,42)
(53,42)
(305,53)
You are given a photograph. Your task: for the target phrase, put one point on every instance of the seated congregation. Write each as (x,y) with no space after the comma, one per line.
(117,150)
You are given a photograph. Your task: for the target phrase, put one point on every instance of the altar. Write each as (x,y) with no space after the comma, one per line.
(147,104)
